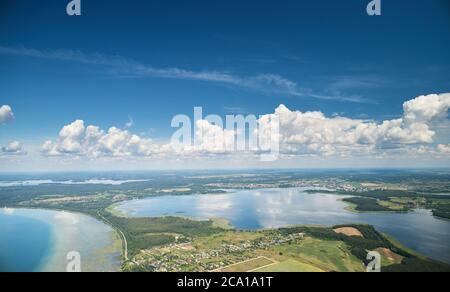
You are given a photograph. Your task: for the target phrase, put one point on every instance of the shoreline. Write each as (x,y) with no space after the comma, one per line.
(47,262)
(112,209)
(339,197)
(66,235)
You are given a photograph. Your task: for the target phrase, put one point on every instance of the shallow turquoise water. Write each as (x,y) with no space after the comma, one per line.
(39,240)
(16,235)
(272,208)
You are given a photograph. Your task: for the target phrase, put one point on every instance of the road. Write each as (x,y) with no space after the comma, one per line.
(124,239)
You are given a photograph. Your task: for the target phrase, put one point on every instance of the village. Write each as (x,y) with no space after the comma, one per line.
(185,256)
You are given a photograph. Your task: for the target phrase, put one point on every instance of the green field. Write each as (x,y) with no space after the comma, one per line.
(326,255)
(230,237)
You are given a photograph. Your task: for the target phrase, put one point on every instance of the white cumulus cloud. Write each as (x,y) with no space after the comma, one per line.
(301,134)
(314,133)
(212,138)
(13,148)
(444,149)
(6,114)
(91,141)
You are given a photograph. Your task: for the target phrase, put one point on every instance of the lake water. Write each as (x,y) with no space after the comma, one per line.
(273,208)
(38,240)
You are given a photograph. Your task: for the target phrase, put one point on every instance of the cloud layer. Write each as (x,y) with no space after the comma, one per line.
(314,133)
(77,140)
(267,82)
(301,133)
(6,114)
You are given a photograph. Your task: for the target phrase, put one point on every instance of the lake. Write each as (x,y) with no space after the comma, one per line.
(39,240)
(273,208)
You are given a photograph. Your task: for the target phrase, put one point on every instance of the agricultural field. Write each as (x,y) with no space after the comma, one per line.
(326,255)
(290,266)
(249,265)
(297,249)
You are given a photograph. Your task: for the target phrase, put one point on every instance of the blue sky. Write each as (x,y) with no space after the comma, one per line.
(55,69)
